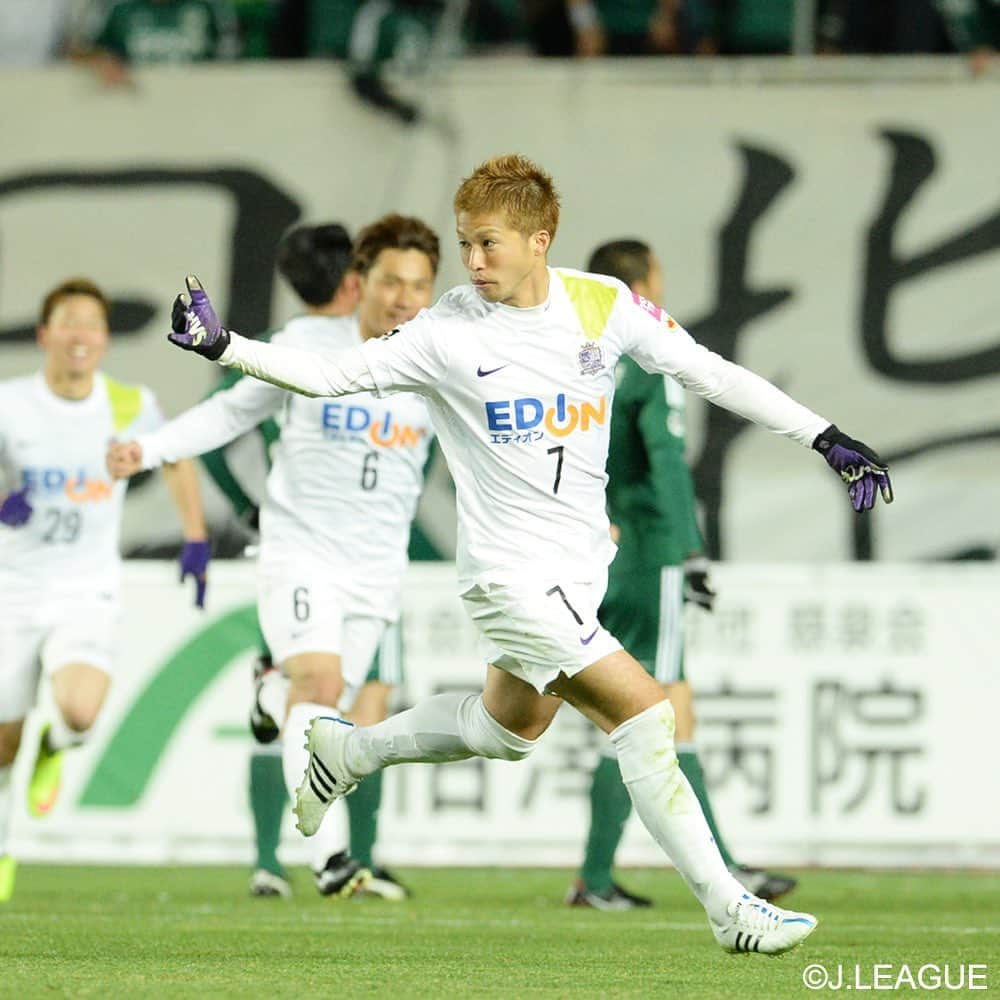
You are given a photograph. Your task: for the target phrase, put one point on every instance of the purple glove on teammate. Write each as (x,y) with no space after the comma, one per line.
(194,323)
(859,466)
(194,562)
(15,509)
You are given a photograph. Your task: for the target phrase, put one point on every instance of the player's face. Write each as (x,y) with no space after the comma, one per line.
(397,286)
(501,261)
(75,338)
(652,287)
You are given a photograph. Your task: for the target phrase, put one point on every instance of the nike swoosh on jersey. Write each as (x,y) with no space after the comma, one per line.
(586,642)
(482,373)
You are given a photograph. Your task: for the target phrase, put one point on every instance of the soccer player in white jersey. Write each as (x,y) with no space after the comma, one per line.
(60,520)
(335,525)
(518,370)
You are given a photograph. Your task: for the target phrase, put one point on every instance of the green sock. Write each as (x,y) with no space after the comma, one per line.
(362,812)
(610,806)
(267,802)
(691,766)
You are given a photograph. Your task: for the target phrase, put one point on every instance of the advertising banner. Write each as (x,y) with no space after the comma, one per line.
(843,715)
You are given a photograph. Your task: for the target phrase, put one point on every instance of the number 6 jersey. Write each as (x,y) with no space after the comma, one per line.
(346,474)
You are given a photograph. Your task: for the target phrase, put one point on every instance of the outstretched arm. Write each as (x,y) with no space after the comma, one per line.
(196,327)
(306,372)
(210,424)
(658,343)
(668,348)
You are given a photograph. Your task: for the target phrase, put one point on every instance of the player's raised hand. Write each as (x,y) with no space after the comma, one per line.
(194,562)
(194,325)
(858,465)
(15,509)
(124,459)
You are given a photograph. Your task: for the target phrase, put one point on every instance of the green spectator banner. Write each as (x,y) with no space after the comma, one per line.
(834,226)
(842,714)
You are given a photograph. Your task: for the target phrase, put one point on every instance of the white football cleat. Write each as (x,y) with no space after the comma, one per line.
(754,925)
(326,778)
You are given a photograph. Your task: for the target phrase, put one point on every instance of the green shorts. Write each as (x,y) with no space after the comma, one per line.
(387,666)
(644,610)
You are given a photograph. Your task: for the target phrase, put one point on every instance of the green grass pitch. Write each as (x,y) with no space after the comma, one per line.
(195,932)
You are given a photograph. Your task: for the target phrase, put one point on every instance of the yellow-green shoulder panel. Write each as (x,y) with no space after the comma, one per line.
(125,400)
(593,301)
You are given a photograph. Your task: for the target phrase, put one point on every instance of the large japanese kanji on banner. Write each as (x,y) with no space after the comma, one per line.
(832,225)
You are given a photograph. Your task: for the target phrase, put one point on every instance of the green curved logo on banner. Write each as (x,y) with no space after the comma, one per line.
(124,769)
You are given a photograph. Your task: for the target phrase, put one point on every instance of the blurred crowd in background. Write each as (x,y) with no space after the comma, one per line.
(142,31)
(112,35)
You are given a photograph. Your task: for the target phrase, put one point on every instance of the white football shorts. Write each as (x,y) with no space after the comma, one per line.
(538,629)
(301,610)
(40,640)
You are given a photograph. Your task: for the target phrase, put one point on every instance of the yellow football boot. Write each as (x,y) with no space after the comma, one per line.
(8,866)
(43,789)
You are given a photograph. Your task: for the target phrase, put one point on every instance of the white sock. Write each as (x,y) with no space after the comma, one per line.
(442,728)
(62,737)
(6,793)
(273,695)
(669,808)
(333,834)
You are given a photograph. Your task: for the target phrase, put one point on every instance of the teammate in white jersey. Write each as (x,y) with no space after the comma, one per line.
(335,525)
(60,520)
(518,369)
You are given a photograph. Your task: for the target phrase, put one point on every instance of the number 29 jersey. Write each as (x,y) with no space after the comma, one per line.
(56,448)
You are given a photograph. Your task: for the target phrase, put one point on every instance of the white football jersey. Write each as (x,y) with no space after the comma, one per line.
(521,400)
(56,447)
(346,475)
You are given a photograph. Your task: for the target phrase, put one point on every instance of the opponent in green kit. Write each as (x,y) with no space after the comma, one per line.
(659,565)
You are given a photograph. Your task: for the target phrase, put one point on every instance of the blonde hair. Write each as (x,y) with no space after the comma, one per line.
(516,186)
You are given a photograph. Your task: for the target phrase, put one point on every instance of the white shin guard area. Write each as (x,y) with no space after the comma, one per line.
(668,807)
(445,727)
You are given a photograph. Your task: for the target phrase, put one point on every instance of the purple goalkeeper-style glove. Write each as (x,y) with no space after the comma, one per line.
(194,325)
(194,562)
(15,509)
(858,465)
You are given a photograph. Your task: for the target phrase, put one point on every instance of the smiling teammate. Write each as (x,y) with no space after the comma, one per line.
(335,525)
(60,520)
(518,370)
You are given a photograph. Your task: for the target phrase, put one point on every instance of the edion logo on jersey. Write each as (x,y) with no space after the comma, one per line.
(339,418)
(560,419)
(77,488)
(655,311)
